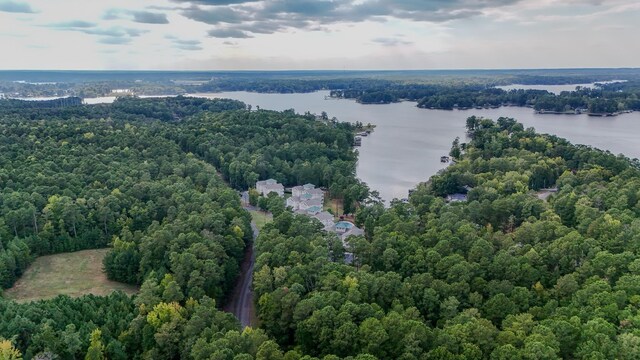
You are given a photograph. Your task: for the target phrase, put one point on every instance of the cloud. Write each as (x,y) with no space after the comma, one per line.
(119,32)
(244,18)
(217,15)
(115,40)
(143,17)
(228,33)
(182,44)
(147,17)
(16,7)
(385,41)
(73,24)
(214,2)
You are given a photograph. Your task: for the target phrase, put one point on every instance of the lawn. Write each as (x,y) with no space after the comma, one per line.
(261,218)
(73,274)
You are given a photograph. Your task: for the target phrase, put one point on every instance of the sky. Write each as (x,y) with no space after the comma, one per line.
(317,34)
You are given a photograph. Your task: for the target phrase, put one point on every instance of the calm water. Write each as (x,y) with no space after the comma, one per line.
(406,146)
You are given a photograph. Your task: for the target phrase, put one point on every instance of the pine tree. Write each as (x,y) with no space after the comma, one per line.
(96,348)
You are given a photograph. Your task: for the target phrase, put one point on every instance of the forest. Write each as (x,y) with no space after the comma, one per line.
(79,177)
(504,275)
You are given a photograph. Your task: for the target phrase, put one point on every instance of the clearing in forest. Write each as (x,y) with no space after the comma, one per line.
(261,218)
(74,274)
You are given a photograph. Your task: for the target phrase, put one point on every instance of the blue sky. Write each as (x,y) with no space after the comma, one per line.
(318,34)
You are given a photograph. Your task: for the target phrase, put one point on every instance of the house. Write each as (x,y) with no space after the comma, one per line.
(343,227)
(306,192)
(326,219)
(306,197)
(456,198)
(304,205)
(294,202)
(354,231)
(268,186)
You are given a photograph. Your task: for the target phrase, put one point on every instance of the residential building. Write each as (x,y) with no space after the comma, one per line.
(456,198)
(306,197)
(268,186)
(326,219)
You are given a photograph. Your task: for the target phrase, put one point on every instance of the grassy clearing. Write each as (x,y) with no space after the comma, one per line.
(73,274)
(335,205)
(261,218)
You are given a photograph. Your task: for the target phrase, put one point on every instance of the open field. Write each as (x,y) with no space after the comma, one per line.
(73,274)
(261,218)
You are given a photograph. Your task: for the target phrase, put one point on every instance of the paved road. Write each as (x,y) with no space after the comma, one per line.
(241,303)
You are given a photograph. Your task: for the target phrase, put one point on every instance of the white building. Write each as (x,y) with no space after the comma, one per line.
(307,191)
(306,198)
(268,186)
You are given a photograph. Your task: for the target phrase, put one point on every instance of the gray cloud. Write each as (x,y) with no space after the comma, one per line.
(16,7)
(217,15)
(243,18)
(143,17)
(147,17)
(385,41)
(229,33)
(115,40)
(183,44)
(214,2)
(114,35)
(117,32)
(74,24)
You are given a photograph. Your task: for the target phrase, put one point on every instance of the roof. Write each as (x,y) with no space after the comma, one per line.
(312,202)
(314,209)
(324,216)
(354,231)
(267,182)
(457,197)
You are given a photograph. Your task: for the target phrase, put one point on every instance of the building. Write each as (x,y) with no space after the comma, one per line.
(456,198)
(307,192)
(268,186)
(307,198)
(326,219)
(346,229)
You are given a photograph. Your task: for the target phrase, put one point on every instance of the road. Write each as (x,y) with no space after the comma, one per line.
(241,303)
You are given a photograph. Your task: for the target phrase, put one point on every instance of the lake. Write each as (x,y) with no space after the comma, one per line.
(406,146)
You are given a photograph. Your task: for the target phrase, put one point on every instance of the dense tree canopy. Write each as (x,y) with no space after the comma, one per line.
(503,276)
(124,176)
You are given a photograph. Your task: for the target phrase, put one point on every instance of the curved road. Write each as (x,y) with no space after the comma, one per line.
(241,303)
